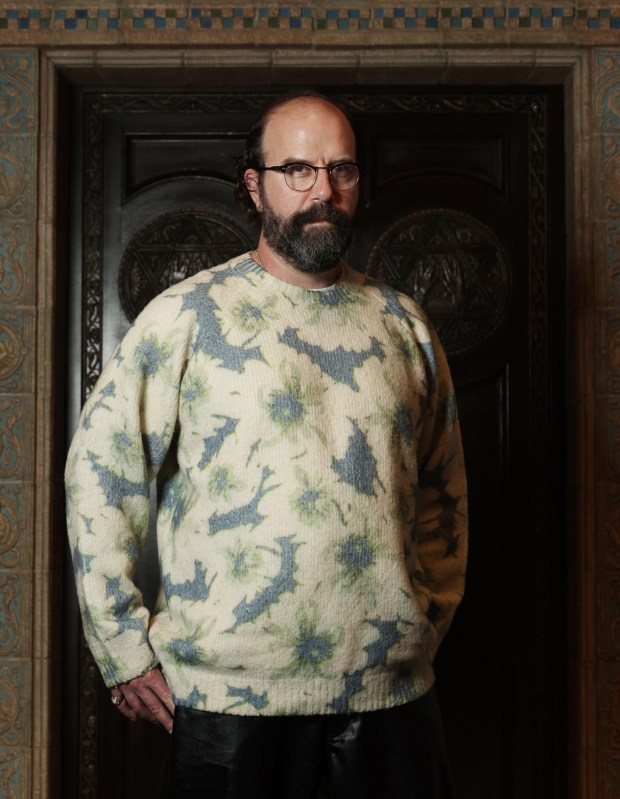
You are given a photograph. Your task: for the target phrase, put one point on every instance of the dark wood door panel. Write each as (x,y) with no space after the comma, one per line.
(457,188)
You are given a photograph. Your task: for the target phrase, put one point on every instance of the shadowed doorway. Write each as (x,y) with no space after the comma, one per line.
(462,206)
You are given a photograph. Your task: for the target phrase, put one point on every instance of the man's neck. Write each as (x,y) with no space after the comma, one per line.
(271,262)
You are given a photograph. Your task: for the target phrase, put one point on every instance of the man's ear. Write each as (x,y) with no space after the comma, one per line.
(251,178)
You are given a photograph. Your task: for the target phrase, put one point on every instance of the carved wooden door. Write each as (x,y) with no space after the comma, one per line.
(461,207)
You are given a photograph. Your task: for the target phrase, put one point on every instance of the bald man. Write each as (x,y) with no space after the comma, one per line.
(300,422)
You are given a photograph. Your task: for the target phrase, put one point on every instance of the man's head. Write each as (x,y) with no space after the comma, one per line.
(307,224)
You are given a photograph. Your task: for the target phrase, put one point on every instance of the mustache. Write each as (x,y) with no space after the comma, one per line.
(321,212)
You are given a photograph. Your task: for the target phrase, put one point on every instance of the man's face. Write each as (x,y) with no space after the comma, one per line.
(309,229)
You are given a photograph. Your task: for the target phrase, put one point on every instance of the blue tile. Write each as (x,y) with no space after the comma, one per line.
(263,12)
(148,13)
(205,23)
(295,22)
(70,24)
(181,22)
(488,12)
(332,13)
(354,13)
(13,13)
(614,23)
(399,12)
(594,24)
(23,23)
(81,13)
(410,22)
(513,12)
(379,13)
(160,22)
(432,22)
(557,12)
(467,12)
(547,22)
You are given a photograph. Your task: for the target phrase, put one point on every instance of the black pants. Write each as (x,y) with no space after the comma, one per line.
(397,753)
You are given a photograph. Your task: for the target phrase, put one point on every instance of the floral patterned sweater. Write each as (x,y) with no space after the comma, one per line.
(311,496)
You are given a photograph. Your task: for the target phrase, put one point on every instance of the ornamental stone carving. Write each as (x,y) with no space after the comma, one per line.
(453,266)
(172,247)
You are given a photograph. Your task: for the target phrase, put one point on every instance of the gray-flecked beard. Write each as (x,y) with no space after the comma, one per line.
(311,249)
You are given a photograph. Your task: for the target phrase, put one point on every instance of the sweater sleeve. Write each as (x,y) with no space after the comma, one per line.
(442,500)
(122,439)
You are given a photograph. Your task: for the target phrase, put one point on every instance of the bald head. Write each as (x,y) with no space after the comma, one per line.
(288,110)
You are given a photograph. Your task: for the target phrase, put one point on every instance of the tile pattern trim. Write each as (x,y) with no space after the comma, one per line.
(49,17)
(18,182)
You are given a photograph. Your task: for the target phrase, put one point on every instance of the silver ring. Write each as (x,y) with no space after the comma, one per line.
(118,700)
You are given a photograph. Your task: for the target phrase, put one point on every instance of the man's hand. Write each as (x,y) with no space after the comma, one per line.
(147,697)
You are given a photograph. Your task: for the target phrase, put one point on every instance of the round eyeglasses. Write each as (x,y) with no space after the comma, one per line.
(302,177)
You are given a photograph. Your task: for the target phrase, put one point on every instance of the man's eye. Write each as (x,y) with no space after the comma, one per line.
(342,169)
(299,170)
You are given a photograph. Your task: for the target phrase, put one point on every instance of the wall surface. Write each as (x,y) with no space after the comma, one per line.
(576,44)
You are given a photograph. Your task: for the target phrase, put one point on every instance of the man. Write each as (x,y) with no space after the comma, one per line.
(311,526)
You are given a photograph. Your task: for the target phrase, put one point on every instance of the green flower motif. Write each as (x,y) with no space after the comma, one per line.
(253,318)
(355,554)
(150,356)
(312,503)
(121,443)
(312,649)
(289,407)
(193,390)
(310,646)
(243,561)
(286,407)
(221,482)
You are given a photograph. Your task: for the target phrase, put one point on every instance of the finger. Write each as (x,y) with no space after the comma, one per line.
(155,681)
(120,703)
(136,705)
(153,690)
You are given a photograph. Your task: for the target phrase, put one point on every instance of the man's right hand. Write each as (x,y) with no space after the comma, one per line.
(147,697)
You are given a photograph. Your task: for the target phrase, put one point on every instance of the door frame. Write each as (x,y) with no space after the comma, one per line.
(569,68)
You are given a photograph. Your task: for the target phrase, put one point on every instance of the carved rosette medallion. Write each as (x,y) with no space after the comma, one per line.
(453,266)
(172,247)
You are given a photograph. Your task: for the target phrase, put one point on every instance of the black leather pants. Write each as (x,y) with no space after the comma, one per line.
(397,753)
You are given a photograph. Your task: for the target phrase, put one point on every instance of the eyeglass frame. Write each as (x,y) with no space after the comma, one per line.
(283,167)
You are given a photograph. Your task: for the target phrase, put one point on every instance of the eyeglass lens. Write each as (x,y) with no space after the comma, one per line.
(302,177)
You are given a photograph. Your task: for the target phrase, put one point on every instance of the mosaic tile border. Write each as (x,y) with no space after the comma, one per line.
(110,18)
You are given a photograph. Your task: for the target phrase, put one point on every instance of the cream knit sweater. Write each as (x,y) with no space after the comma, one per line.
(311,519)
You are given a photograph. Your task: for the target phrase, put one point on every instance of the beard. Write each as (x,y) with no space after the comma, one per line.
(312,250)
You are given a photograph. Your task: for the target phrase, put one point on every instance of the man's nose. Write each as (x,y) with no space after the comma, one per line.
(323,189)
